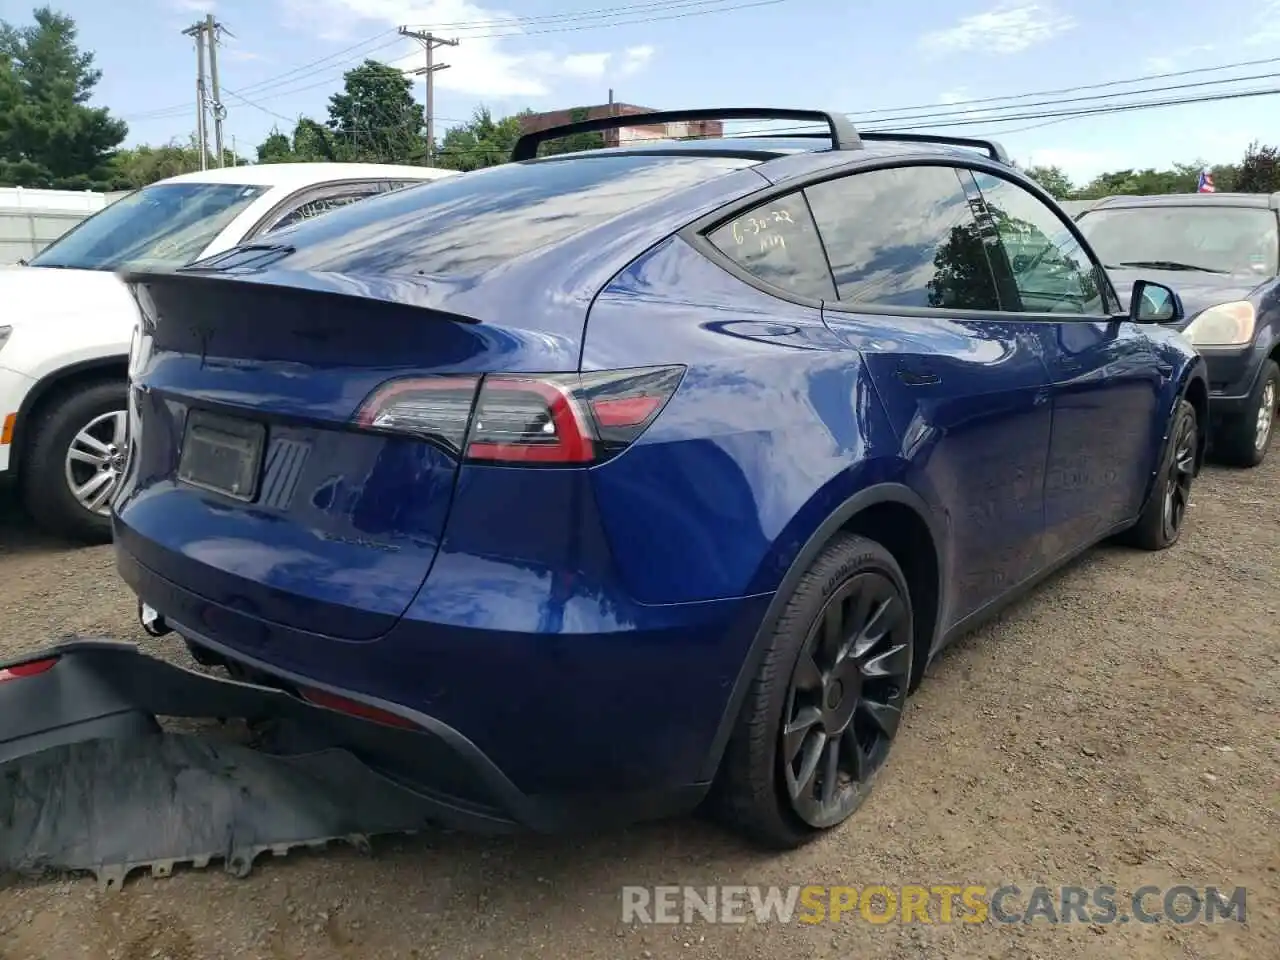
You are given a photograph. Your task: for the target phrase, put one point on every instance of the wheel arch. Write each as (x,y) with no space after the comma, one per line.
(58,383)
(885,511)
(1196,392)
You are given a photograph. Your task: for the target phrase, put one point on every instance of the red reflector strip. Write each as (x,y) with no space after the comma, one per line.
(354,708)
(31,669)
(624,411)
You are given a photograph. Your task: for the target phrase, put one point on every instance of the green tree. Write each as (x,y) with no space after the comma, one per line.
(1260,170)
(1054,180)
(575,141)
(375,117)
(138,166)
(49,136)
(481,142)
(313,141)
(277,148)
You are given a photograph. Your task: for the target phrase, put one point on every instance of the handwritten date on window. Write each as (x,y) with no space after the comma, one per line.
(763,230)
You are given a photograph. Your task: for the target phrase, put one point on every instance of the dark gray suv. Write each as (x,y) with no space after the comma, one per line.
(1221,253)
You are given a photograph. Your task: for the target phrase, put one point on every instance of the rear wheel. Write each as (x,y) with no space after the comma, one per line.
(1162,518)
(1244,440)
(72,465)
(827,701)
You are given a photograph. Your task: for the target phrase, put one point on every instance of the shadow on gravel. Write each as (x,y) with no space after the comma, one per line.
(20,535)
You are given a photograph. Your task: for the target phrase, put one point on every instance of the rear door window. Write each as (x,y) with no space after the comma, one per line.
(480,220)
(904,237)
(323,201)
(778,243)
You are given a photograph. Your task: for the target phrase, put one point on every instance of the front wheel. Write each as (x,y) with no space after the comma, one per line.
(1243,440)
(73,463)
(826,702)
(1162,519)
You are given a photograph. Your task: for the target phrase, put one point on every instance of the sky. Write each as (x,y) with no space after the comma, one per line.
(923,61)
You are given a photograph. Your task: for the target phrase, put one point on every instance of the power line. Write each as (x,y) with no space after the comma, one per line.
(632,9)
(514,25)
(887,126)
(968,114)
(1087,86)
(719,8)
(1104,110)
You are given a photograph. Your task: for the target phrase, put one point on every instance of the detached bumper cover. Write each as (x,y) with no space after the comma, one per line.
(88,781)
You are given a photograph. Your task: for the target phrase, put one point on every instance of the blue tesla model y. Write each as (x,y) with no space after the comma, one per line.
(648,476)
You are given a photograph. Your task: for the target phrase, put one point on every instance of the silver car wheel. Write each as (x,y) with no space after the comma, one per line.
(95,461)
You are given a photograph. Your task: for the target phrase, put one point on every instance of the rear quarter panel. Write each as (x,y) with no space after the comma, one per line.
(775,425)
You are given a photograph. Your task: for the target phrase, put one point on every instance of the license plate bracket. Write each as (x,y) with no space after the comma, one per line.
(222,454)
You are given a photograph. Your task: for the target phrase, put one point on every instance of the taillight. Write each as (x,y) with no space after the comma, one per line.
(353,708)
(30,669)
(558,419)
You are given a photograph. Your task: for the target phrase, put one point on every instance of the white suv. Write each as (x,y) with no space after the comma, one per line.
(66,320)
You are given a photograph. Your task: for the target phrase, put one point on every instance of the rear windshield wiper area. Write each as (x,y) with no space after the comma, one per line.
(246,256)
(1168,265)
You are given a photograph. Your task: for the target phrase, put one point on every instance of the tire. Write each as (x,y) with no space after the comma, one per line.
(1160,524)
(46,489)
(1241,440)
(758,786)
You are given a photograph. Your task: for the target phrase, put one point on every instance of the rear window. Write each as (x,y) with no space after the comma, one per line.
(476,221)
(164,225)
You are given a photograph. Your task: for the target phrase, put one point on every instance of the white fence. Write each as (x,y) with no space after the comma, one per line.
(30,220)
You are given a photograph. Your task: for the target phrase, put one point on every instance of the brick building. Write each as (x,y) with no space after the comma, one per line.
(613,138)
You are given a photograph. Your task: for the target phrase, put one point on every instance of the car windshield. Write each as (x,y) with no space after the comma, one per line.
(1232,240)
(163,225)
(473,223)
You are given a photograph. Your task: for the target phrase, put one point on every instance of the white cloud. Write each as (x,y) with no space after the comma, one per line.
(586,64)
(1007,28)
(480,65)
(635,59)
(1172,60)
(1266,30)
(1080,165)
(194,6)
(956,95)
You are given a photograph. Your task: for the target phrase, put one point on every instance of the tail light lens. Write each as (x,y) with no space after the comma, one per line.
(557,419)
(30,669)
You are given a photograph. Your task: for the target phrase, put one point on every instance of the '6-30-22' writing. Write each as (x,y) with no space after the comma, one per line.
(766,227)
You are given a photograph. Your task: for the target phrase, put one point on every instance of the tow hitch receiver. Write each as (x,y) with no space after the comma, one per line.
(90,782)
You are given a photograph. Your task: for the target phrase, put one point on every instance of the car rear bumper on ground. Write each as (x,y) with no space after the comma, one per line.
(563,725)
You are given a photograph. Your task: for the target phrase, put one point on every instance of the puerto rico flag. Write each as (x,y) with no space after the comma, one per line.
(1206,183)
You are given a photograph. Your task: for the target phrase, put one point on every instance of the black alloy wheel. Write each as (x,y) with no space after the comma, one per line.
(1164,514)
(1181,472)
(845,699)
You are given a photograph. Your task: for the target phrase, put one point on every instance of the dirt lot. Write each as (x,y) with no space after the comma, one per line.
(1121,727)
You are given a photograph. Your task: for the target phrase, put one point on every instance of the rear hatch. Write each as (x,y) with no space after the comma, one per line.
(256,480)
(252,485)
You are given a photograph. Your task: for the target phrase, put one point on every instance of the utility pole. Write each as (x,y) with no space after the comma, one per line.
(211,30)
(205,33)
(429,43)
(197,31)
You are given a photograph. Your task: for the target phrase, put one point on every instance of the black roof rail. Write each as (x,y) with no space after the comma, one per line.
(992,149)
(843,134)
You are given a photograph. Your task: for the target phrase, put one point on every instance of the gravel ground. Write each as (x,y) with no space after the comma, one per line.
(1119,727)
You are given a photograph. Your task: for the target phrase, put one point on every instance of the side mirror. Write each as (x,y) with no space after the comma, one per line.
(1154,303)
